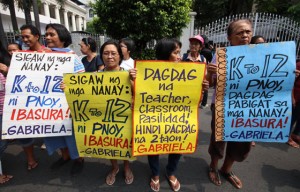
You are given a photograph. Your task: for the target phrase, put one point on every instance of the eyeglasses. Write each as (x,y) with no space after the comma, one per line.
(107,54)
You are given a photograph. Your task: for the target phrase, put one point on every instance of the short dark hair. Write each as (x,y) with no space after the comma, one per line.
(165,47)
(129,44)
(33,29)
(231,24)
(254,38)
(17,44)
(62,32)
(91,42)
(116,44)
(4,55)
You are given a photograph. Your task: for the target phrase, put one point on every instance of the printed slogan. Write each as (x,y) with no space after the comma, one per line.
(100,105)
(254,88)
(34,105)
(166,101)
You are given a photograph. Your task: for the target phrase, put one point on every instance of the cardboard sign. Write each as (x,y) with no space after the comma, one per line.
(254,87)
(100,105)
(166,100)
(34,105)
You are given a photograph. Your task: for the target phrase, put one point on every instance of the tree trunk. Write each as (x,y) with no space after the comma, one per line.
(26,7)
(11,6)
(3,38)
(36,14)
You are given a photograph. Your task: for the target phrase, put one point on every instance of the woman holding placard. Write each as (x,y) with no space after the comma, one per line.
(111,55)
(4,63)
(239,32)
(58,38)
(168,50)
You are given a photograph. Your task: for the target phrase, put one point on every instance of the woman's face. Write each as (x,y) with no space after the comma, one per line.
(84,48)
(52,39)
(259,40)
(12,48)
(195,46)
(124,49)
(111,57)
(29,39)
(241,33)
(175,55)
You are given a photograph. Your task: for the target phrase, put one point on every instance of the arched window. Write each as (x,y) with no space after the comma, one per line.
(91,13)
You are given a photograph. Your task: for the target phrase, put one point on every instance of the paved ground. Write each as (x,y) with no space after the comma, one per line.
(270,167)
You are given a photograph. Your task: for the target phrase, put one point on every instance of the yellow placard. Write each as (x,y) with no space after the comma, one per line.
(166,99)
(100,105)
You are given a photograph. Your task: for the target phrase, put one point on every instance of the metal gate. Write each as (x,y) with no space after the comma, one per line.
(274,28)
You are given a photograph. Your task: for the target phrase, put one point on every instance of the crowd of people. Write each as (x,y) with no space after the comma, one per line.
(116,56)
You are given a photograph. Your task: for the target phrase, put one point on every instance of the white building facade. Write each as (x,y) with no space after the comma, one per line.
(90,14)
(72,15)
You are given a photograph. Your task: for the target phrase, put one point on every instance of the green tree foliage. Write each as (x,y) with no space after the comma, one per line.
(288,8)
(209,11)
(95,26)
(295,11)
(143,20)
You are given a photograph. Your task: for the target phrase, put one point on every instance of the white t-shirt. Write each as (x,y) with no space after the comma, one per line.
(127,64)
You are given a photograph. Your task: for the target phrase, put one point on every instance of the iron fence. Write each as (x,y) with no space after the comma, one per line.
(274,28)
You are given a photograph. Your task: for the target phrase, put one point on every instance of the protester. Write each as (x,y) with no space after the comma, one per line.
(169,50)
(196,45)
(294,139)
(111,55)
(26,143)
(58,38)
(4,63)
(92,62)
(194,55)
(258,39)
(206,49)
(239,32)
(127,46)
(207,53)
(30,37)
(13,47)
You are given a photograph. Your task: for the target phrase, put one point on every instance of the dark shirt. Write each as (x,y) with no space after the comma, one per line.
(207,54)
(93,65)
(297,85)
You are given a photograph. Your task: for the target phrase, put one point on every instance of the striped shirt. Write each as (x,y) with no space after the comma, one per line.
(78,66)
(2,92)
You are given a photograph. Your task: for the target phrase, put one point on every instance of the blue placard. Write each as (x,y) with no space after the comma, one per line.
(258,90)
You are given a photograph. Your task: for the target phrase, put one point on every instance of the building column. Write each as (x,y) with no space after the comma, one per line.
(192,22)
(46,9)
(80,24)
(57,16)
(73,22)
(77,22)
(66,19)
(84,23)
